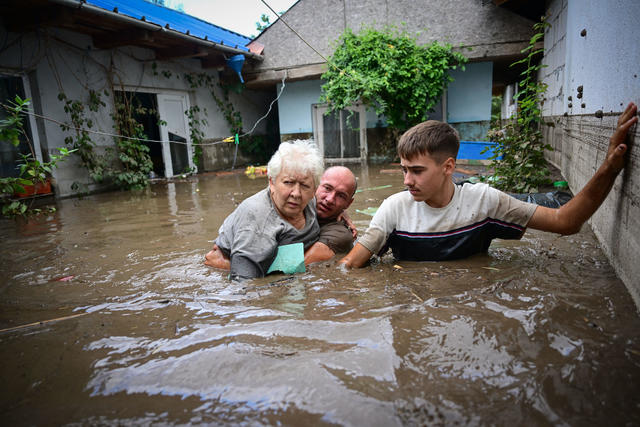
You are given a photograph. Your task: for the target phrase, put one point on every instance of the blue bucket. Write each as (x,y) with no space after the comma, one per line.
(235,63)
(472,150)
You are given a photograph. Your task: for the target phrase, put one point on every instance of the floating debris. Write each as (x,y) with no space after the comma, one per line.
(368,211)
(374,188)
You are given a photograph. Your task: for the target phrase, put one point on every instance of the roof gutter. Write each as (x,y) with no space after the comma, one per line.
(79,4)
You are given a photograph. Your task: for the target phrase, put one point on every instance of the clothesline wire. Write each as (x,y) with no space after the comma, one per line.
(329,62)
(97,132)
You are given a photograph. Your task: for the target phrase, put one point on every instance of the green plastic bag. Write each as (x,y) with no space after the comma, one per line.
(289,259)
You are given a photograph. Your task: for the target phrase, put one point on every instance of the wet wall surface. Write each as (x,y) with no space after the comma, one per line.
(538,331)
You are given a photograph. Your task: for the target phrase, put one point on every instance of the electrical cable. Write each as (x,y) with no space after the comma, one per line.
(329,62)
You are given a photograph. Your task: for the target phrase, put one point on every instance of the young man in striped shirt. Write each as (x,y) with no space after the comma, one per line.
(437,220)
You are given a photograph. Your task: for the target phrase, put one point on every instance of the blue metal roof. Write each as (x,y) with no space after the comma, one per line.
(178,21)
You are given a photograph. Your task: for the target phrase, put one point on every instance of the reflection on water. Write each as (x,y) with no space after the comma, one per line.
(538,331)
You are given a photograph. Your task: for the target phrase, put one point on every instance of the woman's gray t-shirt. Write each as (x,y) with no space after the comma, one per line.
(250,236)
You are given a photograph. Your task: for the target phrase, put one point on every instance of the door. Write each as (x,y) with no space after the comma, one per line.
(341,135)
(177,151)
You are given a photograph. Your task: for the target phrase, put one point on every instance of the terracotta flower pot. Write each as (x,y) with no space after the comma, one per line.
(37,188)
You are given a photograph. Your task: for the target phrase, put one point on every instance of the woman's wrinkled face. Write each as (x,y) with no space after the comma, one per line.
(291,192)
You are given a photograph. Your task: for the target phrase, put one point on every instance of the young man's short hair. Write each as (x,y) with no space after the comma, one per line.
(437,139)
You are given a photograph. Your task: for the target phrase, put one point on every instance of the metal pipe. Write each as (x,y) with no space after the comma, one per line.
(79,4)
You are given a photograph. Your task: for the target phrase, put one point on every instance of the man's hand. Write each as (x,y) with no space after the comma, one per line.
(350,225)
(357,257)
(569,218)
(617,146)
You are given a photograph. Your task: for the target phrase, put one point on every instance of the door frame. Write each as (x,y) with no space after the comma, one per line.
(33,126)
(164,131)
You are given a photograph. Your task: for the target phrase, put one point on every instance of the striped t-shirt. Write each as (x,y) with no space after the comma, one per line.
(476,214)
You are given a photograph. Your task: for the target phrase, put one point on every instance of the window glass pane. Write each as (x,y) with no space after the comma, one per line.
(351,133)
(179,155)
(331,127)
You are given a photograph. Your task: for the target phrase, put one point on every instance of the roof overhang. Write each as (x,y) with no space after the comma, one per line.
(110,29)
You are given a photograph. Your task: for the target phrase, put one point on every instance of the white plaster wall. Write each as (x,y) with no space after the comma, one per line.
(294,106)
(553,73)
(606,63)
(67,62)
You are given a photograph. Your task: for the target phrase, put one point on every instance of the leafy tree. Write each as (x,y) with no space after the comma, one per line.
(389,72)
(263,24)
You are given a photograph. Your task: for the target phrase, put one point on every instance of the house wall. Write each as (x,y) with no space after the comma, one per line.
(321,22)
(294,106)
(71,64)
(469,100)
(605,62)
(488,30)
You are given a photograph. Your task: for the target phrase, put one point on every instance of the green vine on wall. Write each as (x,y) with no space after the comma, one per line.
(128,164)
(132,153)
(255,146)
(195,132)
(518,160)
(389,72)
(81,142)
(224,104)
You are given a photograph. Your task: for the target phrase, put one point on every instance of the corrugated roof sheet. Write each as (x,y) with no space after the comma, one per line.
(178,21)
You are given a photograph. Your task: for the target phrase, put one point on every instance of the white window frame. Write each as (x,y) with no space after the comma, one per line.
(318,110)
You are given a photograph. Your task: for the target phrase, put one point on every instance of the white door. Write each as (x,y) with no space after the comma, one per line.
(177,152)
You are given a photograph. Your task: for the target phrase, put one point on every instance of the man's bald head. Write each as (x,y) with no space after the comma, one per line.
(335,192)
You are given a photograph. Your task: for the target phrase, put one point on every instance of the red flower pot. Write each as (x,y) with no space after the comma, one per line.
(37,188)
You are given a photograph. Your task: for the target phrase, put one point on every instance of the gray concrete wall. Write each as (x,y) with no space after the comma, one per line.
(62,61)
(589,45)
(489,30)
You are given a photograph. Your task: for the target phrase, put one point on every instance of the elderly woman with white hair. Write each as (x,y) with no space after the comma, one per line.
(278,215)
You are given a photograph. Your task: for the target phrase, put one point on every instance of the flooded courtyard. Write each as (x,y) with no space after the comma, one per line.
(537,332)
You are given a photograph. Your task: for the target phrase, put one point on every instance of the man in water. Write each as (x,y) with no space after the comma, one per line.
(333,196)
(437,220)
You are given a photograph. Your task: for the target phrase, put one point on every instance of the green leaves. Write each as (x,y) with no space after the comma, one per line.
(389,72)
(31,170)
(519,159)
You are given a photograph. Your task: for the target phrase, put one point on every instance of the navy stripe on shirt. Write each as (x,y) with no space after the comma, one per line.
(447,245)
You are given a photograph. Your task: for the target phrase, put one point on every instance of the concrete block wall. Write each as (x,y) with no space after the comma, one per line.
(589,47)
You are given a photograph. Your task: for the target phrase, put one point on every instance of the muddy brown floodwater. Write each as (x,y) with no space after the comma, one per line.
(536,332)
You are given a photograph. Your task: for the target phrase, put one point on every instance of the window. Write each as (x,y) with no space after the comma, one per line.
(341,135)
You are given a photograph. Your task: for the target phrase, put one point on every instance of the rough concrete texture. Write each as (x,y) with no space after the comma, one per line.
(580,144)
(593,67)
(491,31)
(220,156)
(554,60)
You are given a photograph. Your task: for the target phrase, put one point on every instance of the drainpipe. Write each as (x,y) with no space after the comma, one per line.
(79,4)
